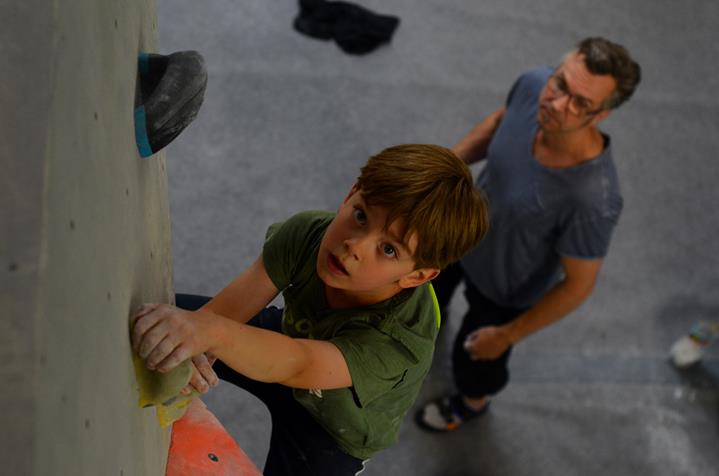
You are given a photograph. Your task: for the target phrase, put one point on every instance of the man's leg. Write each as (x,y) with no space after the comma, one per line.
(476,380)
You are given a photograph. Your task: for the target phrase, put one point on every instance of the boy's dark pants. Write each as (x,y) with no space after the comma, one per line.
(299,446)
(474,378)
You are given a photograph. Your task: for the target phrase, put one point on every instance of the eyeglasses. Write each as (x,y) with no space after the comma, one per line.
(577,105)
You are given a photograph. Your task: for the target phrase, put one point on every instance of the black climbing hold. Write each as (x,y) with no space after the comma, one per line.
(172,88)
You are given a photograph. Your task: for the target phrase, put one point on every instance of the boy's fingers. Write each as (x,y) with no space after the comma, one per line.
(176,357)
(205,369)
(155,354)
(198,382)
(211,359)
(147,335)
(143,310)
(141,326)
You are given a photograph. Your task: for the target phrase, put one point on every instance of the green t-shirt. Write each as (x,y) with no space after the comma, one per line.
(388,346)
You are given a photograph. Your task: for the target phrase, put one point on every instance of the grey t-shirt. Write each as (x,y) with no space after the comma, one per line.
(538,213)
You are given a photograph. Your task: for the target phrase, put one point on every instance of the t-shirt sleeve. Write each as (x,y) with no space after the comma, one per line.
(289,244)
(377,362)
(527,87)
(510,96)
(587,236)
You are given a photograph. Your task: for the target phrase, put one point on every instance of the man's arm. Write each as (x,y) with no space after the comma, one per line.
(581,275)
(164,336)
(473,147)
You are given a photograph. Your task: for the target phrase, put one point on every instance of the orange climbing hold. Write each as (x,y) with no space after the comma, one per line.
(201,446)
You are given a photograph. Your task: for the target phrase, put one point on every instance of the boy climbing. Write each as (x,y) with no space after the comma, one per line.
(340,366)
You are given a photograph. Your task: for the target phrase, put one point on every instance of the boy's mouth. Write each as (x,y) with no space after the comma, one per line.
(335,265)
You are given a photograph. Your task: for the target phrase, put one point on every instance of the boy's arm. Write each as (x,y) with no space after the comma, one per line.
(232,302)
(246,295)
(473,147)
(269,356)
(164,336)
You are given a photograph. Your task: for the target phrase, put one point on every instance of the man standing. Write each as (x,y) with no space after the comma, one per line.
(554,199)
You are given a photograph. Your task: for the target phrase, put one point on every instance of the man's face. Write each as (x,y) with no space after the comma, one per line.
(360,259)
(573,97)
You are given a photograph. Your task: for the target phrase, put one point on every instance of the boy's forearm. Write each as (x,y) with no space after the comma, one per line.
(245,296)
(256,353)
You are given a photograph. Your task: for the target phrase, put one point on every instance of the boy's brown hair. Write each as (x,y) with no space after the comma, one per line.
(431,191)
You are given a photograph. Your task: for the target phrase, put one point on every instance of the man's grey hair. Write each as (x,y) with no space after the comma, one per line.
(602,57)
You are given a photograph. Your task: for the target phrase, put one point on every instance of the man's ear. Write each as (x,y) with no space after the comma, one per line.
(417,277)
(599,117)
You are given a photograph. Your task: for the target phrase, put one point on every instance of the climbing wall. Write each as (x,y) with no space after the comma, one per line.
(85,238)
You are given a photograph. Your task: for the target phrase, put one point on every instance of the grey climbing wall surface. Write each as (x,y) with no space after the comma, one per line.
(85,238)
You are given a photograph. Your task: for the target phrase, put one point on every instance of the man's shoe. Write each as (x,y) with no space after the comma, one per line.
(446,414)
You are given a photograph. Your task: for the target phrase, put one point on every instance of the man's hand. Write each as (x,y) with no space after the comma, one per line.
(487,343)
(164,336)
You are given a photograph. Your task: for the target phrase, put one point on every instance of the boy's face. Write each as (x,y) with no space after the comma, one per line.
(360,262)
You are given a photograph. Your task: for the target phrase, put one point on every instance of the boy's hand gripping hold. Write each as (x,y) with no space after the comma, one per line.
(164,336)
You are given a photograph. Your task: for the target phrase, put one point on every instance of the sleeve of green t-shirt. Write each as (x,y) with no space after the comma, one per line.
(290,244)
(377,362)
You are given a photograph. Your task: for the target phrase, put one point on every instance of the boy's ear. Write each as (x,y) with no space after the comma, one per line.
(417,277)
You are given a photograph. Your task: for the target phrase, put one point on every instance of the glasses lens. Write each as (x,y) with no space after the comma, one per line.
(575,107)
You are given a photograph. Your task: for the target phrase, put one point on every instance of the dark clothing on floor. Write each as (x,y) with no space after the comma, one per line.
(355,29)
(299,446)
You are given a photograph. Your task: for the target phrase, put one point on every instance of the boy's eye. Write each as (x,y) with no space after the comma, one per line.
(389,250)
(360,217)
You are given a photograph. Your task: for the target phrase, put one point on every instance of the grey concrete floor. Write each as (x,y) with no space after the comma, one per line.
(288,121)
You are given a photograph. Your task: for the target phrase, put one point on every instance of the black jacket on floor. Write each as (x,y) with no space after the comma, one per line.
(355,29)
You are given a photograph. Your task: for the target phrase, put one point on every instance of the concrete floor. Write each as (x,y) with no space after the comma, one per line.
(288,121)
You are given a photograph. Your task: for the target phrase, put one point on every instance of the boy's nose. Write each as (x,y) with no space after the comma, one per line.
(353,247)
